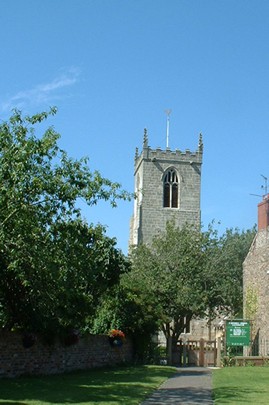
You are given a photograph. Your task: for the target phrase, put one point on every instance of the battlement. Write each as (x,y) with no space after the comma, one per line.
(177,155)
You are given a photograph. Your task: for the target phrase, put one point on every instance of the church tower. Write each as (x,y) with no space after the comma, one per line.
(168,187)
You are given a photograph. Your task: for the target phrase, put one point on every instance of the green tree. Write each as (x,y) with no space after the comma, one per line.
(224,277)
(188,273)
(50,261)
(168,276)
(122,308)
(88,266)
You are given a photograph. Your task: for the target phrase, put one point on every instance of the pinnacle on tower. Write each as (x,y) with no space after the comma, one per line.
(145,140)
(200,144)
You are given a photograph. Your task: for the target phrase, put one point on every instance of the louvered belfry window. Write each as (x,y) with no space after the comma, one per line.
(170,189)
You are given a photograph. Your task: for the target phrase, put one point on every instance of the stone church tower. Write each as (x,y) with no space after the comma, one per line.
(168,187)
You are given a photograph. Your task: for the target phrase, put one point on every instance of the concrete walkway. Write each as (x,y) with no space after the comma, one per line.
(190,385)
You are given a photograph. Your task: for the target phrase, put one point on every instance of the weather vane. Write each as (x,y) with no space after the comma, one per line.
(167,112)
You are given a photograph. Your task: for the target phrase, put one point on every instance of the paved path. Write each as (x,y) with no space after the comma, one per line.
(191,385)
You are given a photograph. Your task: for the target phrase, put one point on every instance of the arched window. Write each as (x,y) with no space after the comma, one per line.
(170,189)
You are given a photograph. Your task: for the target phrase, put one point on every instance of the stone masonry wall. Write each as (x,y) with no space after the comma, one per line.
(150,217)
(256,285)
(90,352)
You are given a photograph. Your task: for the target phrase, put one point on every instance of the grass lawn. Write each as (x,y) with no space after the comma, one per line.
(128,385)
(241,385)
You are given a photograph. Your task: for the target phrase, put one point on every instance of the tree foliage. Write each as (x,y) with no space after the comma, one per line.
(53,265)
(188,273)
(224,277)
(123,309)
(168,276)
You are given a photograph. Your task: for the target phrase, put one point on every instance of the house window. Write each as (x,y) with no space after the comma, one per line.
(170,189)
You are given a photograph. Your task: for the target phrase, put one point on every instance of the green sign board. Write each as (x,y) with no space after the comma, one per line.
(237,333)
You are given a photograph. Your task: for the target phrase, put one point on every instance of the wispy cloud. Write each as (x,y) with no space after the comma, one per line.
(44,93)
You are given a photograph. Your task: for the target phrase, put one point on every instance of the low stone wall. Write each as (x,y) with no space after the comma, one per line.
(91,351)
(251,360)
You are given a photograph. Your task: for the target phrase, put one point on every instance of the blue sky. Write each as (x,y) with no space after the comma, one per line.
(112,67)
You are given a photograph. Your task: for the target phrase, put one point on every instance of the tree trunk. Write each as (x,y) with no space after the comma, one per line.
(169,350)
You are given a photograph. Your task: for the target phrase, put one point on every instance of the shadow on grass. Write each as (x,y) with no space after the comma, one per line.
(126,385)
(232,395)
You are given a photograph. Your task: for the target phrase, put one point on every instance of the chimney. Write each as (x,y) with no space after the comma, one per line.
(263,213)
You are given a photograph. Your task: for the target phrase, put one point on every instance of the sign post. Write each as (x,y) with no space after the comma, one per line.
(237,333)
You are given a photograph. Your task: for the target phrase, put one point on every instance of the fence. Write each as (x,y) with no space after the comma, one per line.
(259,347)
(195,353)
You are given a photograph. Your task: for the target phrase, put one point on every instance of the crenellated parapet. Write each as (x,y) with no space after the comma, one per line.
(167,154)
